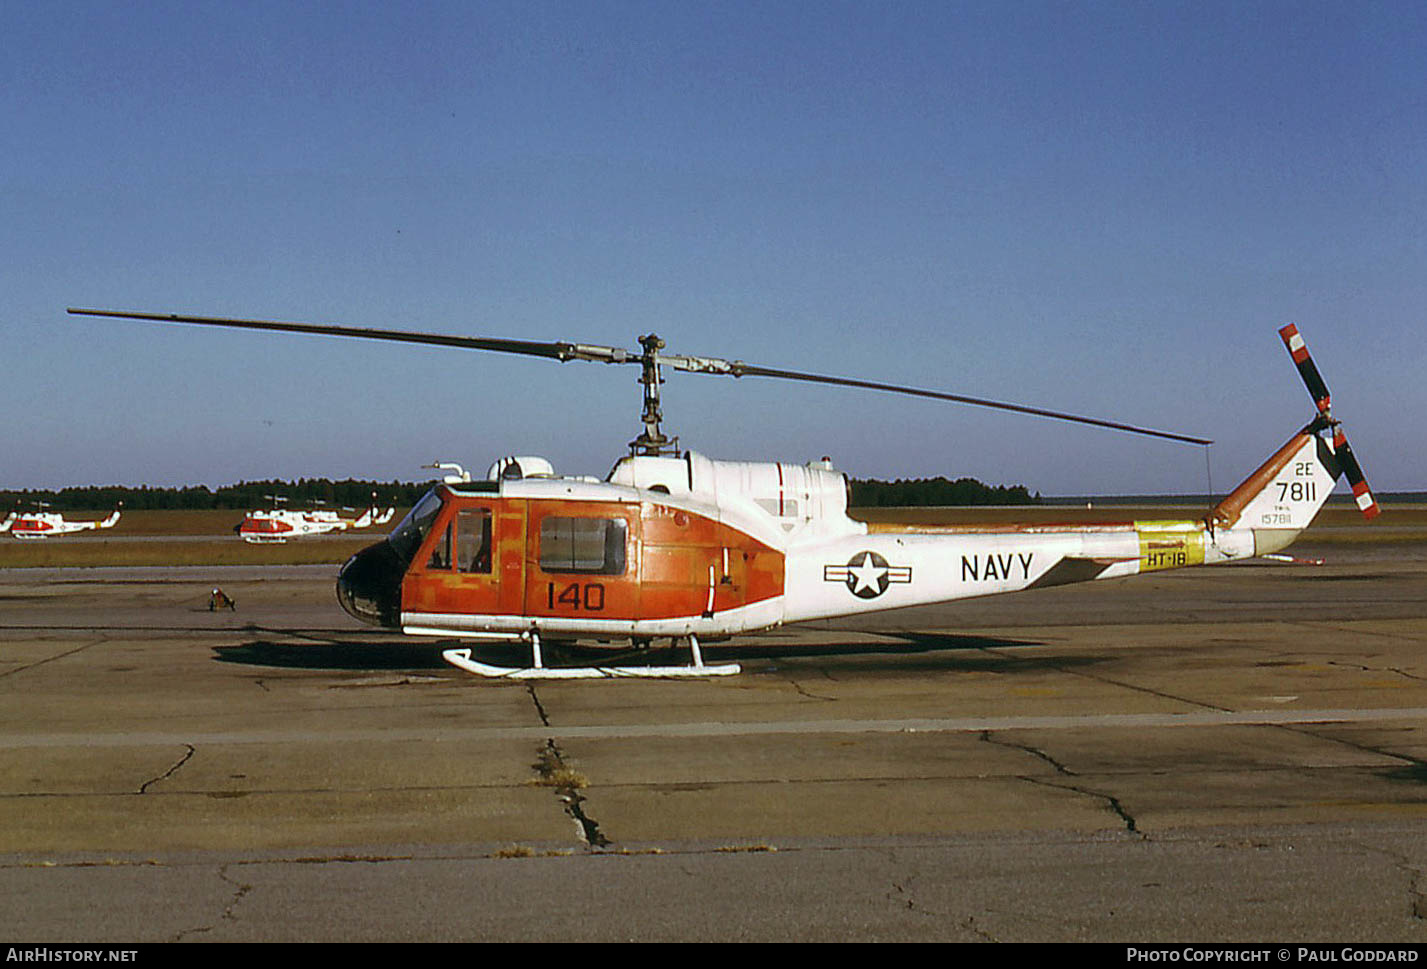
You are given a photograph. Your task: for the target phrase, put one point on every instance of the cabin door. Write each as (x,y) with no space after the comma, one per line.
(582,560)
(475,552)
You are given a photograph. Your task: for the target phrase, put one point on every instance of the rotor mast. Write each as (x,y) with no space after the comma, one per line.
(652,441)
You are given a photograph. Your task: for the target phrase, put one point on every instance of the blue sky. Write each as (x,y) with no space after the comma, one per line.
(1106,208)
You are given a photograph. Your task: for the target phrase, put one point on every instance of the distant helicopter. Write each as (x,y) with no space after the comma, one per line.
(278,524)
(32,525)
(672,544)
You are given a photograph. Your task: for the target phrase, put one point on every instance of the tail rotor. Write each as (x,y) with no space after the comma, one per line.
(1318,390)
(1366,503)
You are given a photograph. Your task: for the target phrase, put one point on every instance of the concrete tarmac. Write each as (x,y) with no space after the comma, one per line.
(1233,753)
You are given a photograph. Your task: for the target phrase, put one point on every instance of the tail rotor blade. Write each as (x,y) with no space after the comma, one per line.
(1307,369)
(1354,471)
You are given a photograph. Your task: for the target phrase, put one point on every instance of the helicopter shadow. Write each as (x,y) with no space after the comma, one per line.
(329,652)
(910,652)
(895,644)
(330,649)
(354,657)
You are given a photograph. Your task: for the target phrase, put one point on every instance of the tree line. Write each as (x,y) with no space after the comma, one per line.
(353,493)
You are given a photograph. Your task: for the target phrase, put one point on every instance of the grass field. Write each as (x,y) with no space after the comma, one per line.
(207,538)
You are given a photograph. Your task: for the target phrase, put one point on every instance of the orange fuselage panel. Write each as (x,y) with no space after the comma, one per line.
(669,563)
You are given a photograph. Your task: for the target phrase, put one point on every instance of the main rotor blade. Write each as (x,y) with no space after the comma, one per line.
(579,351)
(740,369)
(552,351)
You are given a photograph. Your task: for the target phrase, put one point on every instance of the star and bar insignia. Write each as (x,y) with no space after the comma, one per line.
(867,574)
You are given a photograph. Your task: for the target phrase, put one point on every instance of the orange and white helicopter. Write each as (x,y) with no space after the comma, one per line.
(674,544)
(278,524)
(47,524)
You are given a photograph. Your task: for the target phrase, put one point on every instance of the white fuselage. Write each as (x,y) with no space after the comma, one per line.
(44,524)
(834,566)
(280,524)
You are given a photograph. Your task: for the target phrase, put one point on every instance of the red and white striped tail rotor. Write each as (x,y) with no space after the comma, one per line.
(1366,503)
(1318,390)
(1307,369)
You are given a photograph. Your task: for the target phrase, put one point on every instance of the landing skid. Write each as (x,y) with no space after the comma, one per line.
(461,659)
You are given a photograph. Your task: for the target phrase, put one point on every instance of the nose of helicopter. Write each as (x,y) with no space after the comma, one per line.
(369,585)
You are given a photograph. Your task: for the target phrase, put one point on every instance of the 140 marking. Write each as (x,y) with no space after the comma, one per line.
(588,596)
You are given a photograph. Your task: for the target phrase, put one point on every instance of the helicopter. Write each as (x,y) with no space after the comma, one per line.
(278,524)
(673,544)
(28,526)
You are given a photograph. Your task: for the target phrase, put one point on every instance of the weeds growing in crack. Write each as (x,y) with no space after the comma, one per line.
(567,782)
(525,851)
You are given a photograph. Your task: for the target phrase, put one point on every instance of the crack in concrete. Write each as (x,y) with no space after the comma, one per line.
(1110,681)
(1111,801)
(1303,731)
(1375,669)
(550,765)
(51,659)
(1410,637)
(1416,897)
(554,772)
(535,699)
(144,787)
(979,932)
(798,688)
(991,738)
(240,889)
(902,896)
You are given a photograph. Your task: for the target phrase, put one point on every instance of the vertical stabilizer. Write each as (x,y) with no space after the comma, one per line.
(1282,497)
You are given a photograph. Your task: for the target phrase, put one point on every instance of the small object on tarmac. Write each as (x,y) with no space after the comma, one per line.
(1294,559)
(220,600)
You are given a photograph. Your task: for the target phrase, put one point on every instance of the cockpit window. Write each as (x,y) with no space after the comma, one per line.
(441,551)
(473,540)
(406,538)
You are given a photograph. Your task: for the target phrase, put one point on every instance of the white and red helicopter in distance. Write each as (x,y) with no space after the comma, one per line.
(672,544)
(278,524)
(31,525)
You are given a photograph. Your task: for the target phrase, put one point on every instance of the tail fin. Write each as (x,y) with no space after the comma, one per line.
(1282,497)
